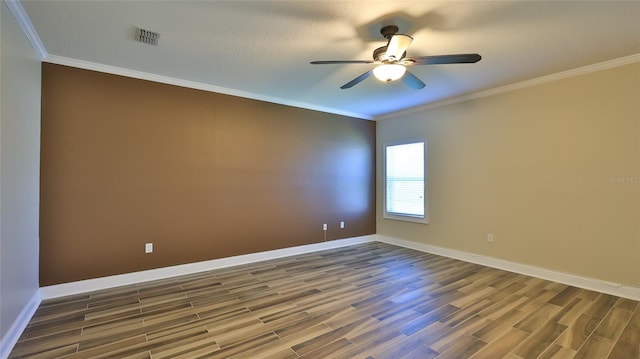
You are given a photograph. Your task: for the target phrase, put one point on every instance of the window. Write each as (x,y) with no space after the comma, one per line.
(405,182)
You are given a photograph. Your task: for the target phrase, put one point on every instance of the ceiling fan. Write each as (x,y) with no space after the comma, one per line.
(391,61)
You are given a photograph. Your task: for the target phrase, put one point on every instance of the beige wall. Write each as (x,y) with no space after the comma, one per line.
(552,170)
(19,172)
(201,175)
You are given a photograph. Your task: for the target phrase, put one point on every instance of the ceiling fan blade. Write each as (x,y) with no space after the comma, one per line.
(397,46)
(444,59)
(412,81)
(328,62)
(357,80)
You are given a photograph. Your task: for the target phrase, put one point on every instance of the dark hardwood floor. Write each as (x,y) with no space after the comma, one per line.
(371,300)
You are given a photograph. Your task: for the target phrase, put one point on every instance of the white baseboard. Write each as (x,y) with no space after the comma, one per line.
(597,285)
(89,285)
(13,334)
(61,290)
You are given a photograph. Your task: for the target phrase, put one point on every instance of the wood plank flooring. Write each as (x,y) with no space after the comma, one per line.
(371,300)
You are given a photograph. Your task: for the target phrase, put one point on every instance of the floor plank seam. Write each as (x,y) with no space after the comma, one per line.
(372,300)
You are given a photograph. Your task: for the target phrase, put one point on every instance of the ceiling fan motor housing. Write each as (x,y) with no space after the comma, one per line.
(378,54)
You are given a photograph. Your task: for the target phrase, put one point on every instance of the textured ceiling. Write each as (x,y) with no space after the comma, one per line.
(262,49)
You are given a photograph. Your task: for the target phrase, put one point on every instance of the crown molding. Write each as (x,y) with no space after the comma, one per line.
(516,86)
(94,66)
(25,24)
(27,27)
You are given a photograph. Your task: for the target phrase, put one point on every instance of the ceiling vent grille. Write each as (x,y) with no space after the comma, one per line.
(146,36)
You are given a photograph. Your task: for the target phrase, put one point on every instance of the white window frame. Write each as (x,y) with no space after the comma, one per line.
(397,216)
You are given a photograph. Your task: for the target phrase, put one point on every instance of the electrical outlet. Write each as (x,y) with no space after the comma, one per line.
(342,224)
(490,237)
(324,227)
(148,247)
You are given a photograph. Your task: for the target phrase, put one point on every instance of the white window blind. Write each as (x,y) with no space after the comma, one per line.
(405,180)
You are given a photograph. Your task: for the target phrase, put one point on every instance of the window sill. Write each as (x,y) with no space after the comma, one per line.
(422,220)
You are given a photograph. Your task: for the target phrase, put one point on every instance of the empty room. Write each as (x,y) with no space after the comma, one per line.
(319,179)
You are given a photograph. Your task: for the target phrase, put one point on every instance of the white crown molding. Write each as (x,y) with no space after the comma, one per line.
(94,66)
(9,340)
(89,285)
(516,86)
(19,13)
(27,27)
(597,285)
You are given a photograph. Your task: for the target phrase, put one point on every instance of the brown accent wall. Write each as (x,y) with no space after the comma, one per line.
(201,175)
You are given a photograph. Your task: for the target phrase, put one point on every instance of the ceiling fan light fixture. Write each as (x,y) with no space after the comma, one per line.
(389,72)
(397,46)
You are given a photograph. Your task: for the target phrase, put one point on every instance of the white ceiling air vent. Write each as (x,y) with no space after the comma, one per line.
(146,36)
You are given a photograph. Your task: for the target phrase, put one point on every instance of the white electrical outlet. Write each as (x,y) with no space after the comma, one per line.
(324,227)
(148,247)
(490,237)
(341,224)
